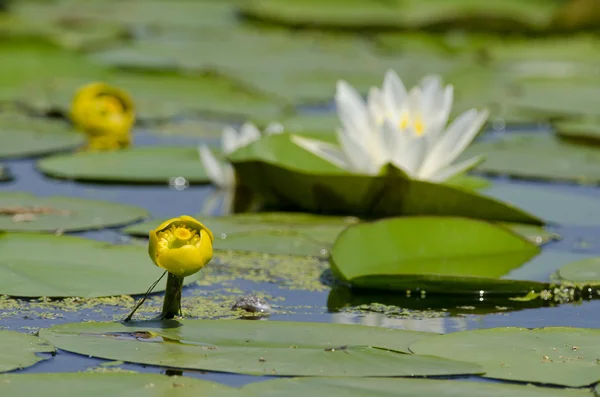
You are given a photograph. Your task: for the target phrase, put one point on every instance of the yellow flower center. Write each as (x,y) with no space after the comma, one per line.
(177,237)
(181,233)
(417,123)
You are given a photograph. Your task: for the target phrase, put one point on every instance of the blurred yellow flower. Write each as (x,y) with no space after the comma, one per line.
(182,246)
(106,114)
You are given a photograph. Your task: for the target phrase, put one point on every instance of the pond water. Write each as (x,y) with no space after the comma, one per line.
(428,313)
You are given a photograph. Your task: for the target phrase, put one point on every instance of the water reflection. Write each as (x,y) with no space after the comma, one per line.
(440,325)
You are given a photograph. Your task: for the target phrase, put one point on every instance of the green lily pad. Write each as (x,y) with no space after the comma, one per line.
(368,387)
(587,131)
(436,254)
(34,265)
(586,271)
(23,137)
(112,384)
(286,176)
(150,165)
(257,347)
(556,355)
(542,157)
(271,233)
(542,97)
(26,212)
(362,14)
(19,350)
(160,95)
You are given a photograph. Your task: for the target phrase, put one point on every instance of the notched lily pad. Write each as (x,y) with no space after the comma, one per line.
(20,350)
(24,137)
(555,355)
(34,265)
(111,384)
(257,347)
(143,165)
(26,212)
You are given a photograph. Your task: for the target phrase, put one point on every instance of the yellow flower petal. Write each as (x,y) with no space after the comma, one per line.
(186,260)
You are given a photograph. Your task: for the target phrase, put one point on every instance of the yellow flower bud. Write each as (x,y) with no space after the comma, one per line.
(182,246)
(105,113)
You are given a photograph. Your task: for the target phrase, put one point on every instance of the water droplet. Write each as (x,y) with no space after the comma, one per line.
(223,236)
(179,183)
(323,251)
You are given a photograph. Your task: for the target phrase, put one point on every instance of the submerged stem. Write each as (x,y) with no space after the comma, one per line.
(128,318)
(172,302)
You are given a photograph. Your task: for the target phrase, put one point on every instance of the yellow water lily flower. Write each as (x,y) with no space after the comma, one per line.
(105,113)
(182,246)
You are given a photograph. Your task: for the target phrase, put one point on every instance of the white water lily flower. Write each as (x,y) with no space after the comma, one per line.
(406,129)
(221,174)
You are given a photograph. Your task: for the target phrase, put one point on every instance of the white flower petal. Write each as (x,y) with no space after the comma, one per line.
(274,128)
(454,141)
(212,166)
(229,140)
(456,169)
(439,116)
(353,113)
(394,93)
(358,156)
(248,134)
(375,105)
(324,150)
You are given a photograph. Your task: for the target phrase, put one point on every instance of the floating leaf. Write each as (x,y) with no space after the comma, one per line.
(287,176)
(112,384)
(22,137)
(19,351)
(137,165)
(435,254)
(539,157)
(33,265)
(257,347)
(555,355)
(586,271)
(508,16)
(26,212)
(272,233)
(368,387)
(579,130)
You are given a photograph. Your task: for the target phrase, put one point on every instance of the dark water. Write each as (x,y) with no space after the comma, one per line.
(158,200)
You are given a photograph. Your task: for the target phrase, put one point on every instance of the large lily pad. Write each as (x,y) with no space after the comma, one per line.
(381,387)
(539,157)
(33,265)
(555,355)
(585,271)
(272,233)
(257,347)
(26,212)
(361,14)
(436,254)
(20,350)
(287,176)
(22,137)
(111,384)
(137,165)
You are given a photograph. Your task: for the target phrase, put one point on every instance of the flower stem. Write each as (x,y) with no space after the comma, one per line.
(172,302)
